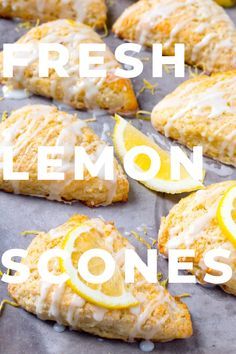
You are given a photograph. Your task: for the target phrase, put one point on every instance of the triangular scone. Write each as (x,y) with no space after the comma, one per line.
(202,111)
(203,26)
(32,126)
(90,12)
(193,224)
(158,316)
(112,93)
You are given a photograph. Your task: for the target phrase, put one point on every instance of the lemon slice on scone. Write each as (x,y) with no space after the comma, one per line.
(126,136)
(226,3)
(113,294)
(226,214)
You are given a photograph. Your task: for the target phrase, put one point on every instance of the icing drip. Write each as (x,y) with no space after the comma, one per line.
(189,235)
(146,346)
(55,304)
(138,331)
(44,290)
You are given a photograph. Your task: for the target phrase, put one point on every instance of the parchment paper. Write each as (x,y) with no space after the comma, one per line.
(213,312)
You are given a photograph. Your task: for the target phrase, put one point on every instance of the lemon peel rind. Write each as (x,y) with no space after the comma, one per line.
(228,229)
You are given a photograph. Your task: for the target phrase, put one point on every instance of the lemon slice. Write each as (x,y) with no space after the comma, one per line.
(112,294)
(226,214)
(126,136)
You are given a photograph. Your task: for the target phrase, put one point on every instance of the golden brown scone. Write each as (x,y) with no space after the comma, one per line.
(39,125)
(202,111)
(158,316)
(203,26)
(193,224)
(90,12)
(112,93)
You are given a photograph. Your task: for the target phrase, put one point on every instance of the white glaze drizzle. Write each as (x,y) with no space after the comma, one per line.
(72,87)
(32,124)
(213,102)
(62,8)
(19,94)
(138,331)
(206,14)
(146,346)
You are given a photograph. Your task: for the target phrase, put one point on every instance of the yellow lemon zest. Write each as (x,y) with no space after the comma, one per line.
(140,239)
(5,302)
(30,232)
(143,115)
(111,294)
(106,32)
(148,86)
(4,116)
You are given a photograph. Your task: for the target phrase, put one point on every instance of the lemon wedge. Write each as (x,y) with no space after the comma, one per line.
(126,136)
(112,294)
(226,3)
(226,214)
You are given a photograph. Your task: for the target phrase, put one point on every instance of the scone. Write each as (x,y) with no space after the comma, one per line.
(202,111)
(39,125)
(203,26)
(90,12)
(193,224)
(157,315)
(112,93)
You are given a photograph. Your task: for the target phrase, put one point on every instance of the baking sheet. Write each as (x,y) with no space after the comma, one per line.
(213,312)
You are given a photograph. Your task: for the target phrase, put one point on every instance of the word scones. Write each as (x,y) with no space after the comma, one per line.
(222,272)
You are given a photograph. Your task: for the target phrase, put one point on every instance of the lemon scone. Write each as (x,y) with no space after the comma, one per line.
(33,126)
(202,111)
(156,315)
(193,224)
(110,92)
(90,12)
(203,26)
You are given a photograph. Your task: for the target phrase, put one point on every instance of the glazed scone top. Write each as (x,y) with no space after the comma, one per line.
(193,224)
(109,92)
(40,125)
(71,35)
(202,25)
(91,12)
(207,105)
(158,316)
